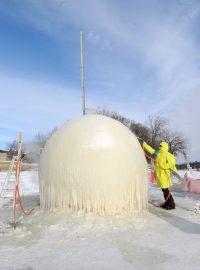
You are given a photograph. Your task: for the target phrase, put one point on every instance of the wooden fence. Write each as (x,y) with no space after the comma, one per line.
(4,166)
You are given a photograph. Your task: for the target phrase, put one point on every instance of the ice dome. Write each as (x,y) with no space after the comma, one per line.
(95,164)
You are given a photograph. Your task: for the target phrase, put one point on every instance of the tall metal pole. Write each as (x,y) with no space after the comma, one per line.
(82,73)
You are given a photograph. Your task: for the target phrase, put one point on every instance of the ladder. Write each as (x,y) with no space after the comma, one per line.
(8,187)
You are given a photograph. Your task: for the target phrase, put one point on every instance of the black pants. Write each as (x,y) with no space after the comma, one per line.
(170,200)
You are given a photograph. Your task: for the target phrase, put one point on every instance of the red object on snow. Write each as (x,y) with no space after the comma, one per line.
(152,177)
(191,184)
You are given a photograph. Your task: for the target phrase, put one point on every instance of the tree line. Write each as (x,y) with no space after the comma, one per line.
(193,165)
(155,130)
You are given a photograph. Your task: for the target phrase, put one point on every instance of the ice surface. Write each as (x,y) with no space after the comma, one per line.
(157,239)
(94,164)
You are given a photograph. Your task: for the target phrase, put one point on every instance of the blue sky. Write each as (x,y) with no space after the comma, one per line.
(141,58)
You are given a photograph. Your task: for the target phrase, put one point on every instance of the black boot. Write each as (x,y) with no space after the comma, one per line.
(170,207)
(169,204)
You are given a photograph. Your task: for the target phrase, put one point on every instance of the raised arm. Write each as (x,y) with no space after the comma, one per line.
(148,148)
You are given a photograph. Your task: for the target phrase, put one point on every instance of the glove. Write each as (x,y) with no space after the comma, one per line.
(144,144)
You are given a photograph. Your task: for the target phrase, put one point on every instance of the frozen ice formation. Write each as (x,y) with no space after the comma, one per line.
(95,164)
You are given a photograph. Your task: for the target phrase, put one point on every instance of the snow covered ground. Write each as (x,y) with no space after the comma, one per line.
(158,239)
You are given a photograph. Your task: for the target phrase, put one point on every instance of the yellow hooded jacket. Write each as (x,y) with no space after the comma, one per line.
(164,162)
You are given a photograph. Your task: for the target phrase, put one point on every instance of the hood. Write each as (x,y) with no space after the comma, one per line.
(163,147)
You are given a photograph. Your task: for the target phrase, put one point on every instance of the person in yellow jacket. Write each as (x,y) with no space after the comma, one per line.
(164,163)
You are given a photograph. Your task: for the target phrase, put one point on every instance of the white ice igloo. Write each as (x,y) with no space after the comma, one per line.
(95,164)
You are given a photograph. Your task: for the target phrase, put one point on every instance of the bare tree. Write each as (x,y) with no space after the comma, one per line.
(153,132)
(41,138)
(156,125)
(159,132)
(141,131)
(12,147)
(115,115)
(34,148)
(177,142)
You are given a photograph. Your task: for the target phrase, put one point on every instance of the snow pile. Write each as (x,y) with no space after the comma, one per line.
(94,164)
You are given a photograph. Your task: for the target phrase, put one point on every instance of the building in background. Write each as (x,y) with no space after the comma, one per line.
(3,155)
